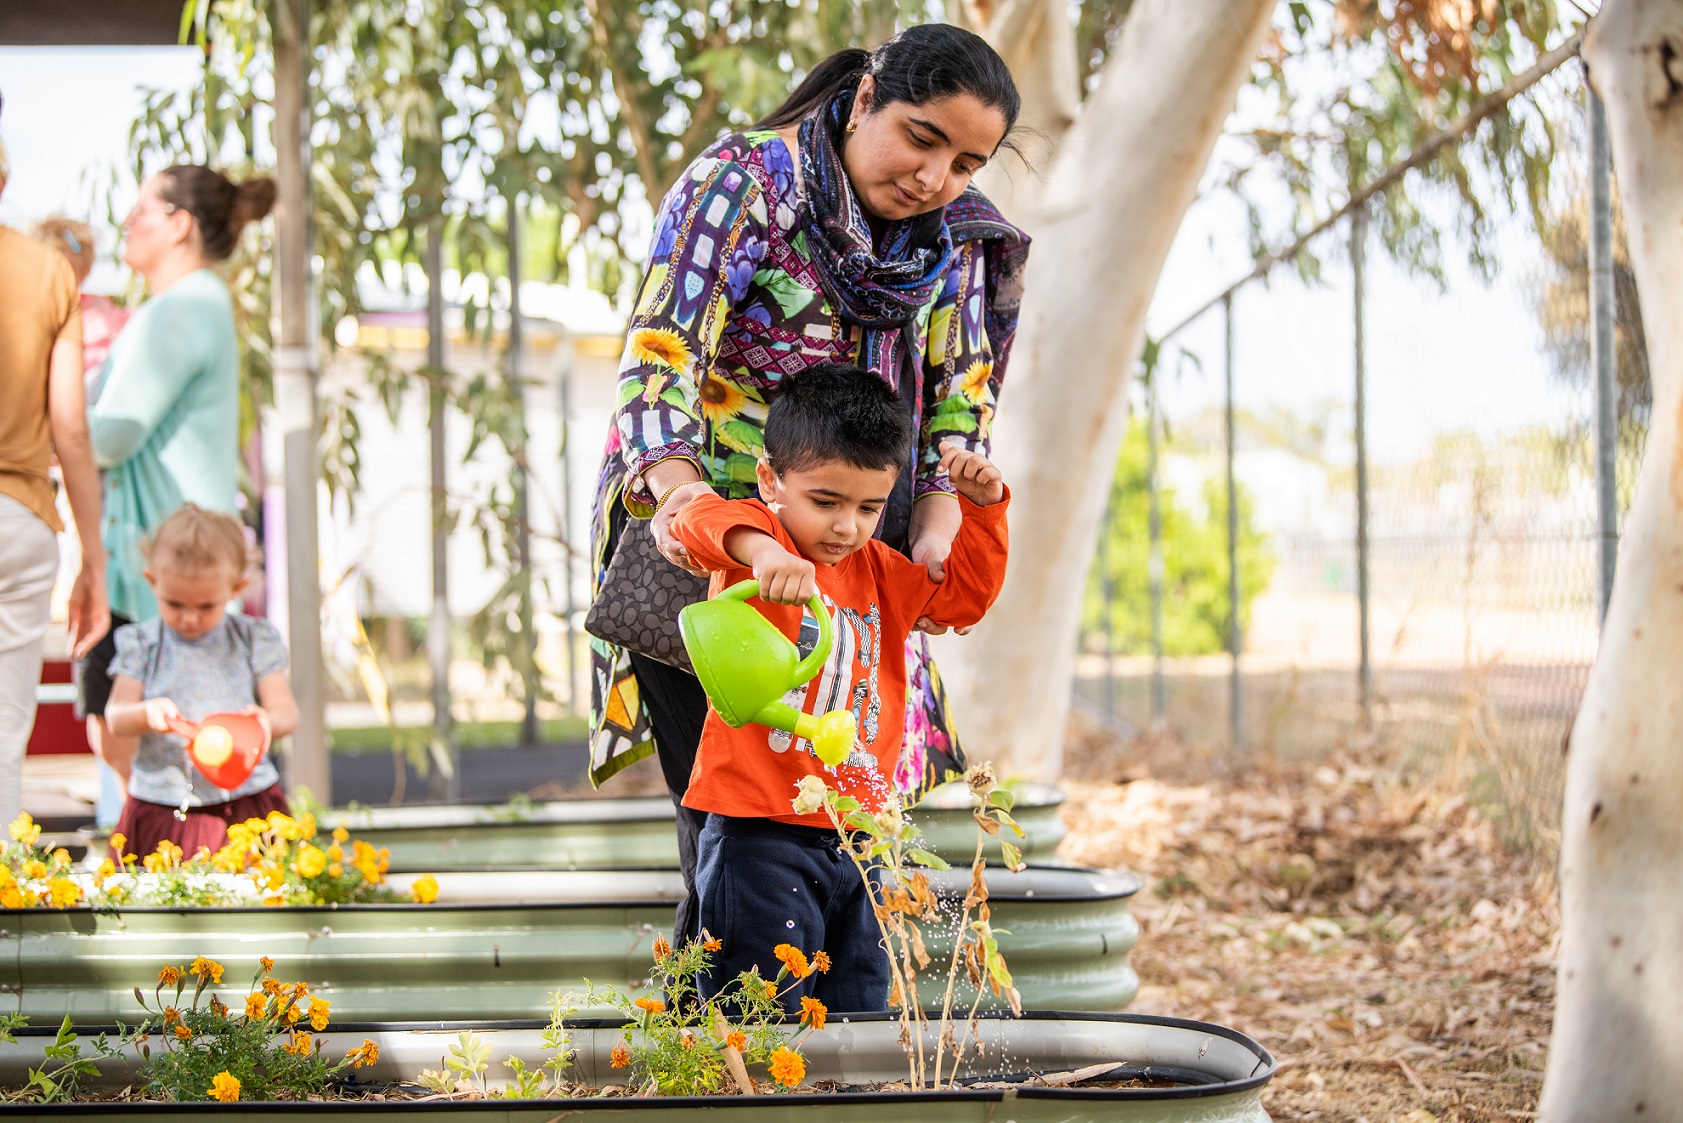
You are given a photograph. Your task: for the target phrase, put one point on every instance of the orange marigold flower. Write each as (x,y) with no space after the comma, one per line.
(183,1033)
(737,1040)
(171,1016)
(256,1005)
(788,1068)
(712,944)
(318,1014)
(621,1056)
(662,949)
(652,1005)
(820,962)
(687,1039)
(207,969)
(300,1044)
(794,959)
(272,986)
(224,1086)
(364,1055)
(218,1007)
(812,1012)
(266,964)
(169,976)
(771,990)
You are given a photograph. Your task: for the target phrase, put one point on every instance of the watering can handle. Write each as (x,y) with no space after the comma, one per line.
(184,728)
(806,668)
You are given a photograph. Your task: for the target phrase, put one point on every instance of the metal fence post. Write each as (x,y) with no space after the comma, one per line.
(1602,351)
(522,505)
(446,781)
(1235,705)
(1358,255)
(1154,567)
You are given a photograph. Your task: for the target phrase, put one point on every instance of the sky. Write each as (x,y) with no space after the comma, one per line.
(1469,358)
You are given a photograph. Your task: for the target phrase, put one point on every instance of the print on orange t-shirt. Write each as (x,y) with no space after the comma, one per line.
(876,596)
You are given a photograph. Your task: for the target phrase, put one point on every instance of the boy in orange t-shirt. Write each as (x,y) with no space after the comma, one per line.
(836,437)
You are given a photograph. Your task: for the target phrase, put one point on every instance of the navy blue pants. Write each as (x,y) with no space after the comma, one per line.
(762,883)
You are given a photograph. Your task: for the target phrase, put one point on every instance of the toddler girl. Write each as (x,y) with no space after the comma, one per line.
(195,659)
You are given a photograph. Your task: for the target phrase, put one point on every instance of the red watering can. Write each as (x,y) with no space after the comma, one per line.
(225,747)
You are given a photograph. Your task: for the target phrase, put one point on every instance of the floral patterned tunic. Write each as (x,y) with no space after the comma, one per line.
(731,303)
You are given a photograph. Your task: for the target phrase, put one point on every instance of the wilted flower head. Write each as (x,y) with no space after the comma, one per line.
(980,780)
(810,798)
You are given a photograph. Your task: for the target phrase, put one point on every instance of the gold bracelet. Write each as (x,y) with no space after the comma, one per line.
(667,494)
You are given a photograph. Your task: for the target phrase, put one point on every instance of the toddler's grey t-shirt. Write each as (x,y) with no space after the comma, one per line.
(216,673)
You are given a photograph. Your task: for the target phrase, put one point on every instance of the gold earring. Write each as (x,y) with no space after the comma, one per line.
(853,126)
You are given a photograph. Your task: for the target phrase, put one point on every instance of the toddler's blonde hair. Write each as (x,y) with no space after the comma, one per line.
(73,239)
(194,540)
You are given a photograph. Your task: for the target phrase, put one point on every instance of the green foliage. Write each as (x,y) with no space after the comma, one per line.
(682,1045)
(1195,578)
(59,1079)
(1404,71)
(265,1045)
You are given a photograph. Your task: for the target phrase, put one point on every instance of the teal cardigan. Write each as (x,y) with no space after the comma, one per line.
(166,424)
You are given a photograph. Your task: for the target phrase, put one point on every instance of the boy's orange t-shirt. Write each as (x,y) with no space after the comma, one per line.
(875,595)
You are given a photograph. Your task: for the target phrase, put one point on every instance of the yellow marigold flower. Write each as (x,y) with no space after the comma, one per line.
(788,1068)
(363,1055)
(318,1014)
(662,949)
(265,964)
(34,868)
(300,1044)
(169,976)
(336,852)
(256,1005)
(61,858)
(794,959)
(281,823)
(63,892)
(335,870)
(306,825)
(310,861)
(820,962)
(118,841)
(224,1086)
(712,945)
(183,1032)
(652,1005)
(660,345)
(737,1040)
(229,859)
(272,986)
(207,969)
(621,1056)
(11,897)
(425,889)
(276,877)
(812,1012)
(340,834)
(106,869)
(293,1012)
(25,830)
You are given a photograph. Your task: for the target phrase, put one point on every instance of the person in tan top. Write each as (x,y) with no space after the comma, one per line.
(43,411)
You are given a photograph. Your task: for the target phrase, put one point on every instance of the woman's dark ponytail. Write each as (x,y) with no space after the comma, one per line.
(839,72)
(220,207)
(919,65)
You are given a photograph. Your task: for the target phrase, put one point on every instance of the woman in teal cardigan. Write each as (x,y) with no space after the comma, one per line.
(166,421)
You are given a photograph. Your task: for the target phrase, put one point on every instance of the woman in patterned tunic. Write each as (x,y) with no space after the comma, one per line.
(843,228)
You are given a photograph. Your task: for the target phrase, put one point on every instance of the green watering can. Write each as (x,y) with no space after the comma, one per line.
(746,666)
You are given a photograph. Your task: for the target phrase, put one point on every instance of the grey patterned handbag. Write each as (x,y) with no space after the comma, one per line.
(637,605)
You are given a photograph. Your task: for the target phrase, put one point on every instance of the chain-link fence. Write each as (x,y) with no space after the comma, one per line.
(1481,519)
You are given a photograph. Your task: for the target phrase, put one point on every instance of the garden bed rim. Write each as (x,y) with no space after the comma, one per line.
(1261,1074)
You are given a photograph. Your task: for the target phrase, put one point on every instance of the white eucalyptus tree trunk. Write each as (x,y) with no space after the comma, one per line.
(1036,38)
(1103,223)
(1617,1051)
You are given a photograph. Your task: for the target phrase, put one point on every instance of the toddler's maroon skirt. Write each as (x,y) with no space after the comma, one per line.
(144,825)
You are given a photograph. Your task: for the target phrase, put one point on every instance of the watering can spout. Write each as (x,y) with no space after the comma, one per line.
(746,666)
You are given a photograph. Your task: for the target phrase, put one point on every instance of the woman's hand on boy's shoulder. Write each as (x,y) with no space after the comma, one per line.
(973,475)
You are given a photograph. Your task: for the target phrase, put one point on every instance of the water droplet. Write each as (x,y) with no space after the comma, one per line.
(788,924)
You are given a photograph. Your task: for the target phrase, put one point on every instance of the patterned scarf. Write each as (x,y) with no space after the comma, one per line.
(881,290)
